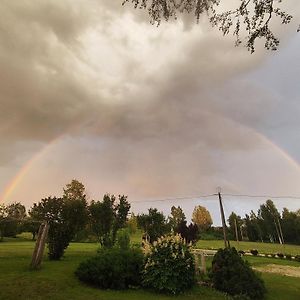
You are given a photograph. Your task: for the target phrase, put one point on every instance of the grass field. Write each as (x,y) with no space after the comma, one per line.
(56,280)
(246,246)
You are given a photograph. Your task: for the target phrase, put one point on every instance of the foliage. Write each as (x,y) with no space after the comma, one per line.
(254,252)
(270,219)
(113,268)
(11,218)
(202,218)
(291,226)
(31,225)
(249,18)
(213,233)
(57,280)
(232,220)
(189,233)
(177,217)
(169,265)
(66,216)
(106,217)
(288,256)
(132,224)
(3,216)
(280,255)
(153,224)
(123,239)
(231,274)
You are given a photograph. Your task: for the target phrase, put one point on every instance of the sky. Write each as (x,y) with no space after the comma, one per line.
(89,90)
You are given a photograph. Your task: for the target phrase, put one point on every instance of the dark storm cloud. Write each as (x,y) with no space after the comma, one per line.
(168,100)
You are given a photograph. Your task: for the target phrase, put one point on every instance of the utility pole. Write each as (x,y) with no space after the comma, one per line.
(226,243)
(236,232)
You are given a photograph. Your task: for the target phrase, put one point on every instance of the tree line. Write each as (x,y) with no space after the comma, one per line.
(72,218)
(267,225)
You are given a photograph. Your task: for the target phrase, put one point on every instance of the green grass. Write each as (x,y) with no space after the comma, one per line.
(246,246)
(56,279)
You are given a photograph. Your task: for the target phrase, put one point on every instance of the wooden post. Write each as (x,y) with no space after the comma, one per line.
(236,233)
(203,263)
(196,263)
(39,246)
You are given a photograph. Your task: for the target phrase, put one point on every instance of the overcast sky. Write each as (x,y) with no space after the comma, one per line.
(90,90)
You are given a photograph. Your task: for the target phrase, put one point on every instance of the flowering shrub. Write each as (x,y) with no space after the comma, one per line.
(169,265)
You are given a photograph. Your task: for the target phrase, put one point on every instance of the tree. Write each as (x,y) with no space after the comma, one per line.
(75,191)
(271,221)
(251,18)
(15,213)
(235,220)
(291,226)
(189,233)
(3,216)
(253,227)
(202,218)
(66,216)
(107,217)
(177,217)
(153,224)
(132,223)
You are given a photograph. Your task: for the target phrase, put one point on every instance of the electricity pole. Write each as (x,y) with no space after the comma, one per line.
(226,243)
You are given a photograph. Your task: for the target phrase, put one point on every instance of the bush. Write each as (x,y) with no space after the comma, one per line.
(254,252)
(241,252)
(123,239)
(280,255)
(288,256)
(297,258)
(112,269)
(169,265)
(231,274)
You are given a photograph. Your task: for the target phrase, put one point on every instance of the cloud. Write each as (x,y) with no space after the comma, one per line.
(147,111)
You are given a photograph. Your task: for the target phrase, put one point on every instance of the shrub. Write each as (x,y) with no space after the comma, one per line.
(241,252)
(280,255)
(273,254)
(297,258)
(254,252)
(288,256)
(123,239)
(169,265)
(112,268)
(231,274)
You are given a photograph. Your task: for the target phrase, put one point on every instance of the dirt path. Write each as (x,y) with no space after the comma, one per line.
(279,269)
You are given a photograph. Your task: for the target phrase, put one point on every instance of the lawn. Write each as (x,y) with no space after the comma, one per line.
(246,246)
(56,280)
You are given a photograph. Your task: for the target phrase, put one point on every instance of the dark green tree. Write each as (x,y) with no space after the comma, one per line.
(233,220)
(12,224)
(66,216)
(291,226)
(177,216)
(253,227)
(271,220)
(153,224)
(107,217)
(189,233)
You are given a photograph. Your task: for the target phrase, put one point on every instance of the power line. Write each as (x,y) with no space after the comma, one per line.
(213,195)
(175,198)
(263,196)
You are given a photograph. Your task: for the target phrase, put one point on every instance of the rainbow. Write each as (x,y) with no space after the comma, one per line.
(12,185)
(10,188)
